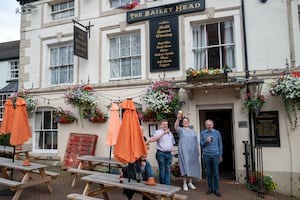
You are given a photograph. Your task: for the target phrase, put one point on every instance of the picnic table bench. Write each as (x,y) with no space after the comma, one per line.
(105,182)
(88,164)
(28,180)
(17,152)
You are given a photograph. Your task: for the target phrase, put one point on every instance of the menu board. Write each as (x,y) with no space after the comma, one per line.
(266,127)
(164,46)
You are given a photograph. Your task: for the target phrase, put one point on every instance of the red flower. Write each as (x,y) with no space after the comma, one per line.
(131,5)
(297,74)
(88,88)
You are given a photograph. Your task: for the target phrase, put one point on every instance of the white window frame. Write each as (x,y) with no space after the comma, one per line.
(131,56)
(53,131)
(205,47)
(14,69)
(69,11)
(119,3)
(3,98)
(58,67)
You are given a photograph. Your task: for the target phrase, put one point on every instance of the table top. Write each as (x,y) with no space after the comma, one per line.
(99,159)
(18,164)
(113,180)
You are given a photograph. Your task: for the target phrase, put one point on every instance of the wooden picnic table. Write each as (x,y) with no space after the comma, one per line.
(18,152)
(27,180)
(87,165)
(105,182)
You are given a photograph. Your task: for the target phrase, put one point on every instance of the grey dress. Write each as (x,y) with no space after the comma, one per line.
(188,154)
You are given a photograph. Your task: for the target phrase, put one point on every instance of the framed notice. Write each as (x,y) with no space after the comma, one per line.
(266,128)
(164,44)
(152,129)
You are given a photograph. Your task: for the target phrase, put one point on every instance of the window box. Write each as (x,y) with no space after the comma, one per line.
(216,78)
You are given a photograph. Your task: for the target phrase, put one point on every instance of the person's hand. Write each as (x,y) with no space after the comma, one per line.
(167,131)
(209,139)
(221,159)
(179,116)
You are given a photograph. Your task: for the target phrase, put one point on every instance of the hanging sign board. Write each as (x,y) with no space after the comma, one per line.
(164,45)
(166,10)
(266,127)
(80,42)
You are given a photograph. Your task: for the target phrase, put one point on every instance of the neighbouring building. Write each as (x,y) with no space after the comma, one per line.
(130,46)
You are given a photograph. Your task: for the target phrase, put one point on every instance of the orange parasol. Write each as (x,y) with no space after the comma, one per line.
(20,130)
(7,117)
(130,144)
(114,126)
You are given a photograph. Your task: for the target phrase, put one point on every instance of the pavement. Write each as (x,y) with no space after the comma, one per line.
(62,187)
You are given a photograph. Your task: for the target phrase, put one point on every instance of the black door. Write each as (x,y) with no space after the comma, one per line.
(223,122)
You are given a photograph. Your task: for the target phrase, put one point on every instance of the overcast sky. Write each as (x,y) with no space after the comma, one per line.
(9,21)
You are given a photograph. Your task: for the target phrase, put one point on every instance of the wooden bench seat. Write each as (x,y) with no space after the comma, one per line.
(80,171)
(48,173)
(75,196)
(180,197)
(10,183)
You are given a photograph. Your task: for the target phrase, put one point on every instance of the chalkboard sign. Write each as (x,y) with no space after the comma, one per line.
(266,127)
(164,45)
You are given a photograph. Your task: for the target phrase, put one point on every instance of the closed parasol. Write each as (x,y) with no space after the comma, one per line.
(20,130)
(7,117)
(114,126)
(130,144)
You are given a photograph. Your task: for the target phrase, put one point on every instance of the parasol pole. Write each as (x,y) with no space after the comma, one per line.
(109,159)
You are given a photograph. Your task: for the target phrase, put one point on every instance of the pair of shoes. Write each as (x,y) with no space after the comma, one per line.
(191,186)
(218,194)
(185,187)
(209,191)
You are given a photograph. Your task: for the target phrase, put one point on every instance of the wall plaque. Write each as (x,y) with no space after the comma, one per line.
(164,45)
(266,128)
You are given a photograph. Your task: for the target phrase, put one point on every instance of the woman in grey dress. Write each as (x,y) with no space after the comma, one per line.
(188,152)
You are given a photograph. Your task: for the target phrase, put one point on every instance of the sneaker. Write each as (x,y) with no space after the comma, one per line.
(191,186)
(218,194)
(185,187)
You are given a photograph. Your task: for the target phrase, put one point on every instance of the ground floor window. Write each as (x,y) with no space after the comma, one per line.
(45,131)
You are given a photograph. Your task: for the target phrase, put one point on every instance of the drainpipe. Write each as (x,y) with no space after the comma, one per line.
(291,32)
(247,75)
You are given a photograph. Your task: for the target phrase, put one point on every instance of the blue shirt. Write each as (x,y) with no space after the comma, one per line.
(213,148)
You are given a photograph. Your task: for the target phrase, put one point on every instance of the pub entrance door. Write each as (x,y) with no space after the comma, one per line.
(222,119)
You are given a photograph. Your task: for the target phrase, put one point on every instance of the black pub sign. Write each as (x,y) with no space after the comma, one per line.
(164,45)
(80,42)
(266,128)
(166,10)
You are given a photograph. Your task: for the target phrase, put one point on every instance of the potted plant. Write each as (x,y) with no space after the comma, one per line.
(162,99)
(175,170)
(82,97)
(64,116)
(258,181)
(288,87)
(206,75)
(254,103)
(95,115)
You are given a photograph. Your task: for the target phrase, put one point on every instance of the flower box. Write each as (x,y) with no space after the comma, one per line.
(216,78)
(63,120)
(97,120)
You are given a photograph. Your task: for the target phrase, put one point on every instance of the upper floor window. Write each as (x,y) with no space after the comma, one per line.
(62,10)
(213,45)
(3,97)
(125,56)
(14,69)
(61,64)
(119,3)
(45,131)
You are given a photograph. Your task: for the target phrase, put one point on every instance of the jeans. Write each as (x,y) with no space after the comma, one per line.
(164,164)
(148,169)
(212,171)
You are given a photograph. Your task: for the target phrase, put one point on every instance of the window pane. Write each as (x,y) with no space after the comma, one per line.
(135,44)
(226,32)
(198,36)
(126,67)
(54,57)
(136,69)
(228,56)
(212,34)
(213,58)
(199,59)
(114,69)
(114,48)
(125,46)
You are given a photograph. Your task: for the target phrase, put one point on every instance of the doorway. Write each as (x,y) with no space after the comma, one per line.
(222,119)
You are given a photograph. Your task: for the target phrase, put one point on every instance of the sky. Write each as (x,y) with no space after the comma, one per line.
(9,21)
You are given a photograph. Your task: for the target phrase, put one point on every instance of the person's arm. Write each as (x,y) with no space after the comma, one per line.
(157,137)
(220,146)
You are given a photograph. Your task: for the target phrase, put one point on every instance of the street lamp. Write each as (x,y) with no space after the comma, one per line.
(254,88)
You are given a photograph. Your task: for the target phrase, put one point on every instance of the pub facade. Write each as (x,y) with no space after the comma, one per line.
(120,48)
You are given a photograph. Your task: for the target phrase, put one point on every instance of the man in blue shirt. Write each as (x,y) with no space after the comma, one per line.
(212,150)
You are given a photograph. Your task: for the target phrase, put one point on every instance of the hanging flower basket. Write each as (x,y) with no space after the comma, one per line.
(31,103)
(254,104)
(95,115)
(64,120)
